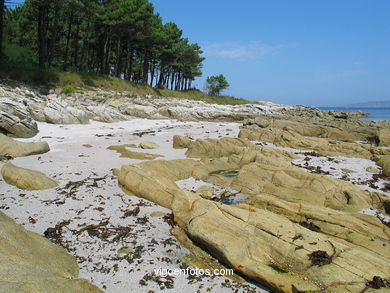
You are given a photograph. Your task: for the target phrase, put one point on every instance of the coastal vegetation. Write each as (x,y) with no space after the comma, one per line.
(216,84)
(125,38)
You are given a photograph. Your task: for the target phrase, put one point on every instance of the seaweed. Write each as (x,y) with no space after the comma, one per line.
(226,173)
(320,258)
(308,224)
(377,283)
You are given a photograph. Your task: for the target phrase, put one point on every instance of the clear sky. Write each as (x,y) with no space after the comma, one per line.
(312,52)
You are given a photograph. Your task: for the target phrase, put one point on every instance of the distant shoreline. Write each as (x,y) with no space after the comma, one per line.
(374,113)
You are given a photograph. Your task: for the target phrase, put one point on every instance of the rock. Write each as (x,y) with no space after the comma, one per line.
(148,145)
(266,170)
(323,146)
(26,178)
(271,241)
(384,162)
(14,148)
(206,191)
(158,214)
(125,153)
(31,263)
(15,119)
(59,112)
(372,170)
(180,142)
(384,137)
(125,250)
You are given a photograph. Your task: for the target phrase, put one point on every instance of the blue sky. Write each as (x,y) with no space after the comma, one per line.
(312,52)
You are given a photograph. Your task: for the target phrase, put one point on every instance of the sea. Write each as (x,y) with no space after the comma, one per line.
(373,113)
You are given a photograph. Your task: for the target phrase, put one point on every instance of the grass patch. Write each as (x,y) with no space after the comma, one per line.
(72,82)
(198,95)
(68,89)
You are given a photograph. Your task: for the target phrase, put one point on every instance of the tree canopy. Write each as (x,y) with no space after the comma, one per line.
(215,84)
(124,38)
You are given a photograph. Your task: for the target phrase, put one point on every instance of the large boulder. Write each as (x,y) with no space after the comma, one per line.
(26,178)
(15,119)
(31,263)
(271,241)
(14,148)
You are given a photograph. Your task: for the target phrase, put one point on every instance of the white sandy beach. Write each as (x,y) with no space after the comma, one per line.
(148,242)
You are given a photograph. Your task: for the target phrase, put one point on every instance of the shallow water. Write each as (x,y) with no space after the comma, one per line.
(373,113)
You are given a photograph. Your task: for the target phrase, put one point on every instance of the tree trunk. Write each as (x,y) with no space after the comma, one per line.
(84,51)
(65,64)
(152,72)
(76,45)
(54,34)
(1,28)
(145,69)
(119,59)
(42,25)
(161,78)
(130,71)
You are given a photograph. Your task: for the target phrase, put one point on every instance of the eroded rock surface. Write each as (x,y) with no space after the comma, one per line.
(31,263)
(15,119)
(298,231)
(14,148)
(26,178)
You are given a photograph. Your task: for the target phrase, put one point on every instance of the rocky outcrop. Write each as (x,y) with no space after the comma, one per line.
(26,178)
(290,246)
(15,119)
(108,106)
(323,146)
(57,111)
(31,263)
(348,131)
(266,170)
(14,148)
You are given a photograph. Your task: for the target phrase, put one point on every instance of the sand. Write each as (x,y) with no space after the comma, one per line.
(122,255)
(134,237)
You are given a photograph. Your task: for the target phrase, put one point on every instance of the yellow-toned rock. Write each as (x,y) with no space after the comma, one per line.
(26,178)
(148,145)
(31,263)
(180,142)
(268,240)
(14,148)
(205,190)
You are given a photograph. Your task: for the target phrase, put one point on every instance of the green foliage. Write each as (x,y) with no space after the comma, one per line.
(68,89)
(122,38)
(18,56)
(215,84)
